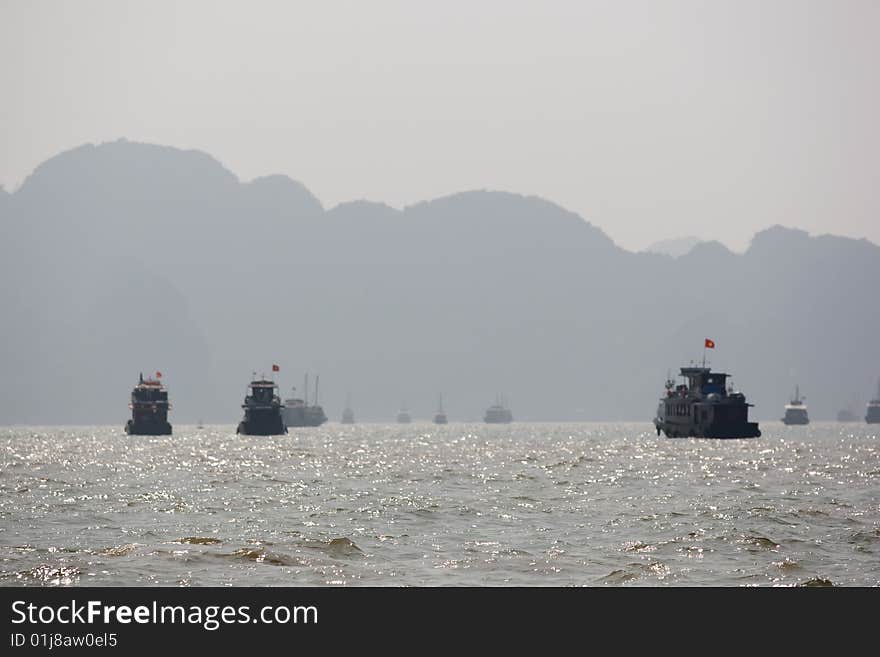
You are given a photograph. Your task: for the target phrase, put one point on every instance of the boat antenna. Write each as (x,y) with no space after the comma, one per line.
(317,376)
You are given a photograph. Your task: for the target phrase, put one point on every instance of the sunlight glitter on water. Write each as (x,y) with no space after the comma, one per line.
(522,504)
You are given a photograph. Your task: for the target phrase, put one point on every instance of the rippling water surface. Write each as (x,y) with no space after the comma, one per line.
(462,504)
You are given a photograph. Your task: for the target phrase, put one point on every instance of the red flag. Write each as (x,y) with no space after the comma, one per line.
(275,368)
(710,344)
(158,375)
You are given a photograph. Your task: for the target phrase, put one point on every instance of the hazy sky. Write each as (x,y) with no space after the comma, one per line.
(653,119)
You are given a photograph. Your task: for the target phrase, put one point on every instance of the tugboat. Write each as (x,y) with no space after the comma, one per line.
(440,415)
(298,413)
(347,414)
(497,413)
(872,414)
(403,416)
(262,410)
(796,410)
(704,408)
(149,408)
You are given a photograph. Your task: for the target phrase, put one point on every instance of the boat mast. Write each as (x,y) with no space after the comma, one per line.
(317,377)
(306,391)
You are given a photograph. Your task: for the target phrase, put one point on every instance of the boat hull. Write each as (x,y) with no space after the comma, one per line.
(160,428)
(733,431)
(262,424)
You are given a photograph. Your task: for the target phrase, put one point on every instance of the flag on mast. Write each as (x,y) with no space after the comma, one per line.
(275,368)
(158,375)
(707,344)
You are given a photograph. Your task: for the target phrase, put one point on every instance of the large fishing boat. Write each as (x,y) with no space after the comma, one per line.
(298,413)
(872,412)
(262,410)
(703,408)
(497,413)
(149,408)
(796,410)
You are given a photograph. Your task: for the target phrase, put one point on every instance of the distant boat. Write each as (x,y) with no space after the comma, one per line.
(440,415)
(704,407)
(846,415)
(403,416)
(200,425)
(149,408)
(796,410)
(497,413)
(262,410)
(347,414)
(872,412)
(298,413)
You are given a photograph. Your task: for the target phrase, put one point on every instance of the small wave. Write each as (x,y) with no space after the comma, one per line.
(864,541)
(117,550)
(635,571)
(787,564)
(619,576)
(52,574)
(258,555)
(761,542)
(817,581)
(198,540)
(638,546)
(337,547)
(512,552)
(865,537)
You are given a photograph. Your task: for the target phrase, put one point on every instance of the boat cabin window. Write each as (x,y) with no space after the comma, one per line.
(714,383)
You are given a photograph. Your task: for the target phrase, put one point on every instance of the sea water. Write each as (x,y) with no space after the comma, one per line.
(424,505)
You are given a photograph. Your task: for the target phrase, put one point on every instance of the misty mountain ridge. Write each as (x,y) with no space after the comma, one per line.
(128,257)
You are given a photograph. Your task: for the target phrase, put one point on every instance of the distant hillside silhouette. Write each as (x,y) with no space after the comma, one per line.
(128,257)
